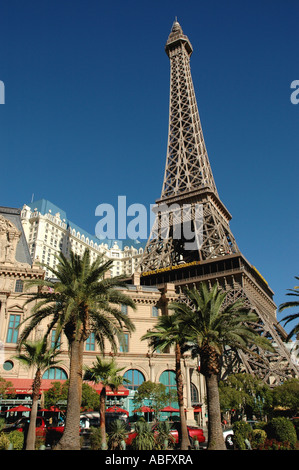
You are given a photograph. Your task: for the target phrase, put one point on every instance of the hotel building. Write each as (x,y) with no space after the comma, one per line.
(48,231)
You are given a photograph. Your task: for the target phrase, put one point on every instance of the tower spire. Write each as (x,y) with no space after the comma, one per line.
(188,177)
(187,164)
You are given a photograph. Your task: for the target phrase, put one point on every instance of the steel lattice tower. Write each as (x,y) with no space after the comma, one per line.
(189,197)
(188,178)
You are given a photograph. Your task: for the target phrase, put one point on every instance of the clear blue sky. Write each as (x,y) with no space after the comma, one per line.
(86,112)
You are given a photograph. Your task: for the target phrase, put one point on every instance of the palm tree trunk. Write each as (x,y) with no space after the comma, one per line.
(215,434)
(102,418)
(71,436)
(31,434)
(185,444)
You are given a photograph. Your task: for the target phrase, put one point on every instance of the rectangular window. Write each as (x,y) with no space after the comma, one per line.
(53,340)
(90,343)
(19,286)
(12,332)
(124,344)
(124,309)
(155,312)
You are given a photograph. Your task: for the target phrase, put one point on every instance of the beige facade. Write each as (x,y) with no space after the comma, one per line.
(16,268)
(138,361)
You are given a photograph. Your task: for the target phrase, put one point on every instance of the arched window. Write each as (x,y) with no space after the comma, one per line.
(55,373)
(167,378)
(136,378)
(194,394)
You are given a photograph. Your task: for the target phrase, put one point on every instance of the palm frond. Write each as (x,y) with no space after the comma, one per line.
(77,301)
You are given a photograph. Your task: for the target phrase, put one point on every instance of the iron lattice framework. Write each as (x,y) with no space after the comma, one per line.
(188,180)
(190,199)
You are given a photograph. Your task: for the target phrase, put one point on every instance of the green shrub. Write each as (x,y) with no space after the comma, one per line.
(16,438)
(242,432)
(282,430)
(4,441)
(117,434)
(258,437)
(296,425)
(145,439)
(260,425)
(95,438)
(39,443)
(164,439)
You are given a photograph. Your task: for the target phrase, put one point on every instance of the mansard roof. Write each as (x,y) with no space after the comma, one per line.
(22,254)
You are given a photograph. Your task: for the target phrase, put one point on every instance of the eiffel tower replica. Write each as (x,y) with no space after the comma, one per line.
(189,199)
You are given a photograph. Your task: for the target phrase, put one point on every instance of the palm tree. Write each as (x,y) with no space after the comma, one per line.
(295,303)
(168,332)
(39,356)
(79,301)
(106,373)
(214,325)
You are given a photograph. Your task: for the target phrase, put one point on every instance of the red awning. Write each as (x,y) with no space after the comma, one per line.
(197,409)
(121,391)
(18,409)
(52,409)
(144,409)
(24,386)
(116,409)
(170,409)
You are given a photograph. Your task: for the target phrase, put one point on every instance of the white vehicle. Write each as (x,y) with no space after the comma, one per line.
(89,419)
(228,438)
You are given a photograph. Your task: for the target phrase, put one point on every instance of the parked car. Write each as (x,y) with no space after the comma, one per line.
(92,419)
(22,423)
(228,435)
(193,432)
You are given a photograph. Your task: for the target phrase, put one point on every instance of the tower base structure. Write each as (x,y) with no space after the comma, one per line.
(239,279)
